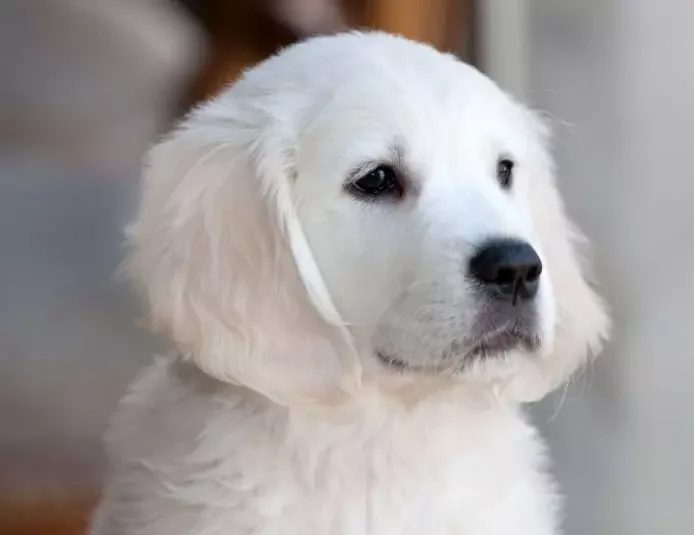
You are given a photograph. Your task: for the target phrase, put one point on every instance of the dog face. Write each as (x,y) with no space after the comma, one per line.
(415,203)
(364,203)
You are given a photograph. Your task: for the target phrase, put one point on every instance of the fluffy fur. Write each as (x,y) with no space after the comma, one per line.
(280,289)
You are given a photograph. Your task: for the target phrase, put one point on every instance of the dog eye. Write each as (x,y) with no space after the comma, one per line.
(380,182)
(504,173)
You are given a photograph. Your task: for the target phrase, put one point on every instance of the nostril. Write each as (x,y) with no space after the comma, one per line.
(506,275)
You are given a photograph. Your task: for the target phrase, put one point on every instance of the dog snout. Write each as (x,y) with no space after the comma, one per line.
(509,269)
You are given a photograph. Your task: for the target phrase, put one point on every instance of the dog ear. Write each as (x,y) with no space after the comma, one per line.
(581,320)
(219,255)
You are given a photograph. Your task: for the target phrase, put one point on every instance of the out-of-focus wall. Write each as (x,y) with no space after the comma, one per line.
(85,88)
(618,78)
(91,82)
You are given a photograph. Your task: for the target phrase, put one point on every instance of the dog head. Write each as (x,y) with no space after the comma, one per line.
(362,205)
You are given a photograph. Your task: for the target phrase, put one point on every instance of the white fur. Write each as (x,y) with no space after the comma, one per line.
(277,287)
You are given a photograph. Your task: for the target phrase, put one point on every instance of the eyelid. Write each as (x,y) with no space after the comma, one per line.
(360,171)
(366,167)
(409,178)
(506,156)
(387,195)
(508,161)
(392,157)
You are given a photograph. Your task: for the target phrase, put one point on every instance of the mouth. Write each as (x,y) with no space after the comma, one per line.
(496,343)
(502,341)
(392,362)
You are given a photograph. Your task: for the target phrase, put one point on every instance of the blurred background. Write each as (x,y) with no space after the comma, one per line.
(86,86)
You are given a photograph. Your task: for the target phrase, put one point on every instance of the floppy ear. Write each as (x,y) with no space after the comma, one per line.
(581,320)
(220,256)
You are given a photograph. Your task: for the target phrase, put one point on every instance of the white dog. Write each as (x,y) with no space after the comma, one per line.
(362,259)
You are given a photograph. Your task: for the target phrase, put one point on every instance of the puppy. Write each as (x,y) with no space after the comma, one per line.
(360,256)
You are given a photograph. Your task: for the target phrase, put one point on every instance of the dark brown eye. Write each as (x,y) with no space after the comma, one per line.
(380,182)
(504,173)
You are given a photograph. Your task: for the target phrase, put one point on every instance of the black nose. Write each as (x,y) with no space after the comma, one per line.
(509,268)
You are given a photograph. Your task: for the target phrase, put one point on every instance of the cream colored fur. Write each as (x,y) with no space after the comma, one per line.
(273,415)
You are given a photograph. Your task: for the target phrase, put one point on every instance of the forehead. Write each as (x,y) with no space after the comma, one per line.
(424,111)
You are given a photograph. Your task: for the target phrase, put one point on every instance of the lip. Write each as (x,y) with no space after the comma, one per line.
(392,362)
(489,345)
(502,341)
